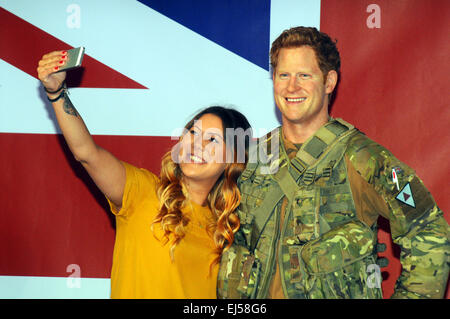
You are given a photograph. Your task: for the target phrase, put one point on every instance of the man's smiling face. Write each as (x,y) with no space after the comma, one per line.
(300,91)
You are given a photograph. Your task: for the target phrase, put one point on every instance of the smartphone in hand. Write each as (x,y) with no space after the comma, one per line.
(74,59)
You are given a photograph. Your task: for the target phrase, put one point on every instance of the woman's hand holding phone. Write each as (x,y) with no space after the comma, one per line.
(53,66)
(48,68)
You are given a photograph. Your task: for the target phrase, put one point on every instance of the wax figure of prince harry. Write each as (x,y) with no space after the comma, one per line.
(309,214)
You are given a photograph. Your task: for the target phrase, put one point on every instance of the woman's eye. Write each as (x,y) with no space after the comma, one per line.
(213,139)
(193,132)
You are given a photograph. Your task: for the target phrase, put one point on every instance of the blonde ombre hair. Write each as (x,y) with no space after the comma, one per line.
(223,199)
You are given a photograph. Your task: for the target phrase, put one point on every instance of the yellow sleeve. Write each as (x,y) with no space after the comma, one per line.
(139,184)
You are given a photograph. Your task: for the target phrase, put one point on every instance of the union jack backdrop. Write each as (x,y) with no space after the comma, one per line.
(149,66)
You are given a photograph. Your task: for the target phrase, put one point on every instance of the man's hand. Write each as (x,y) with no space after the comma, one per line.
(48,65)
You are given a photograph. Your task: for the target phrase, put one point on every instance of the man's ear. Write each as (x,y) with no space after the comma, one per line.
(331,81)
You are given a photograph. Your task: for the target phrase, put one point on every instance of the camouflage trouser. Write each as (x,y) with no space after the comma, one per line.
(335,265)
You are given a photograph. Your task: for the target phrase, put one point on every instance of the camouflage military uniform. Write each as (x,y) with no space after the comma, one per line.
(329,197)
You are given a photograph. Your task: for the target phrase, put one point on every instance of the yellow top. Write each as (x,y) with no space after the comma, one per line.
(142,267)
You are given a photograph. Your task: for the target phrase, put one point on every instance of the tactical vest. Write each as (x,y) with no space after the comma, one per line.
(323,250)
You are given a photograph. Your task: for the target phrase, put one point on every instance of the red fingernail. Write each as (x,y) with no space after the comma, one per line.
(64,52)
(56,67)
(64,57)
(61,62)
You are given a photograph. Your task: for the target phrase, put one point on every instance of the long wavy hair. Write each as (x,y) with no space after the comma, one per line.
(223,198)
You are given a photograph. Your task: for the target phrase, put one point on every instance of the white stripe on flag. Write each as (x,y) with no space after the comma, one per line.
(27,287)
(285,14)
(183,71)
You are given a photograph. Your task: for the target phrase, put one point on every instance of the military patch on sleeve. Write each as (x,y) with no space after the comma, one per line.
(405,196)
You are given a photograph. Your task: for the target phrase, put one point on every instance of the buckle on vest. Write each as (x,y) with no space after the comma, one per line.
(258,179)
(308,177)
(327,172)
(246,174)
(298,165)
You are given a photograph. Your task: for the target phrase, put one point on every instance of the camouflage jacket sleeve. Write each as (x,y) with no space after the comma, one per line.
(417,224)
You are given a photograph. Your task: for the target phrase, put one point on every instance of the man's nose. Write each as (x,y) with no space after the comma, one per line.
(293,85)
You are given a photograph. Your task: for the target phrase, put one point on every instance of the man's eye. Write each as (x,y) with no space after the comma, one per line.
(283,75)
(303,76)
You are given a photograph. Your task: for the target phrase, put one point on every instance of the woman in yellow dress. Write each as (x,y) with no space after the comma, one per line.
(170,230)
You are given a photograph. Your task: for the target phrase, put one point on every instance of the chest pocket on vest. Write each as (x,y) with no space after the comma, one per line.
(336,201)
(319,208)
(336,204)
(305,211)
(251,198)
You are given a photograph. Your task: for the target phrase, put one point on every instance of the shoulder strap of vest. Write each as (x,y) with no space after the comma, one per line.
(260,154)
(289,187)
(259,162)
(318,145)
(308,155)
(265,210)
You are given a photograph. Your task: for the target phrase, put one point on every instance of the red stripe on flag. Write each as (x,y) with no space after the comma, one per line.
(392,84)
(52,213)
(23,45)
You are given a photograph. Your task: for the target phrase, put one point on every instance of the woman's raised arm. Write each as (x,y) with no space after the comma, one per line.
(106,170)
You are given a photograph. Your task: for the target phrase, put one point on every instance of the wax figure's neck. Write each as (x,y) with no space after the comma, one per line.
(298,133)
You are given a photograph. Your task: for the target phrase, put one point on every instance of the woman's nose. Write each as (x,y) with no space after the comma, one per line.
(198,143)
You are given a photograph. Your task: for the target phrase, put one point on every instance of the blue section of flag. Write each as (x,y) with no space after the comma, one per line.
(241,26)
